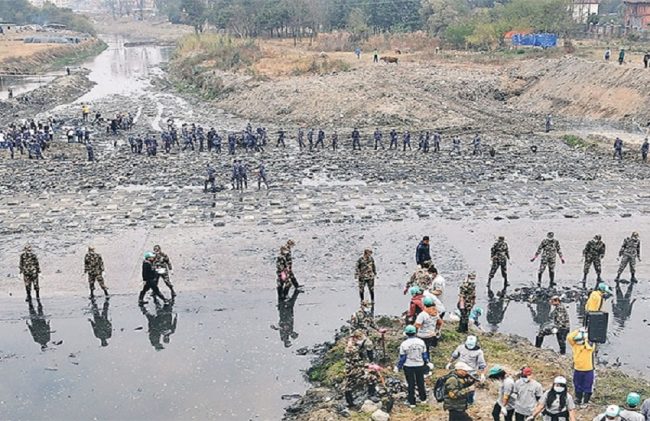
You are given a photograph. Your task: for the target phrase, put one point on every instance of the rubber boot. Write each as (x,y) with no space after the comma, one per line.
(587,398)
(584,280)
(349,399)
(172,291)
(551,276)
(618,278)
(92,292)
(505,281)
(539,279)
(489,283)
(539,340)
(28,298)
(633,278)
(372,297)
(141,298)
(599,279)
(579,397)
(38,295)
(106,292)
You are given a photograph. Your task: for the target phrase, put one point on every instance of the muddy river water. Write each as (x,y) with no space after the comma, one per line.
(226,349)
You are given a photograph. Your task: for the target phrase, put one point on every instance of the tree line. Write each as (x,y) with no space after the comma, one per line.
(21,12)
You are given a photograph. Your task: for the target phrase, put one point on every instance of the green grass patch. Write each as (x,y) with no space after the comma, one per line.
(574,141)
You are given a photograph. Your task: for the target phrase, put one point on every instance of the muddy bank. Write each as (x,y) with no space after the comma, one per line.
(53,58)
(61,90)
(325,400)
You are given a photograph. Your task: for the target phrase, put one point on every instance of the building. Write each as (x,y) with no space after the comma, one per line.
(582,9)
(637,14)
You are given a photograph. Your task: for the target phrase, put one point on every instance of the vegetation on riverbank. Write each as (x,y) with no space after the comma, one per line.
(510,352)
(21,12)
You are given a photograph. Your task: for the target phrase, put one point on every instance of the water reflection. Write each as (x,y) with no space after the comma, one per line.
(101,323)
(542,310)
(622,307)
(285,325)
(40,326)
(497,306)
(162,323)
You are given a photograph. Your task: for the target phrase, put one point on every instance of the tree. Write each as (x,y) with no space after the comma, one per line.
(439,14)
(194,14)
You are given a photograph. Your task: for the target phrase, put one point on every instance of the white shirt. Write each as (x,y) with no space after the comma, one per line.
(439,305)
(427,324)
(413,348)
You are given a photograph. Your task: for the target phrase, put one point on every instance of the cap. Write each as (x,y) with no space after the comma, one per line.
(526,371)
(425,238)
(462,366)
(559,380)
(613,411)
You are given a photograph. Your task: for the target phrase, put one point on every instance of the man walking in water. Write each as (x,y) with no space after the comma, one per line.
(150,278)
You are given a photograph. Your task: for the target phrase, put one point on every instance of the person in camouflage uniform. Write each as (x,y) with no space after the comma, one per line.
(356,375)
(364,320)
(593,254)
(559,325)
(466,301)
(30,269)
(94,267)
(163,266)
(282,271)
(365,273)
(500,256)
(459,385)
(292,277)
(548,248)
(421,277)
(629,253)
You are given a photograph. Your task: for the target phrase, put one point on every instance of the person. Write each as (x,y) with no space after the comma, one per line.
(632,407)
(422,252)
(357,52)
(621,56)
(355,373)
(10,93)
(163,266)
(612,413)
(261,177)
(282,271)
(618,148)
(289,255)
(363,319)
(556,404)
(301,138)
(101,323)
(528,392)
(549,123)
(150,278)
(421,278)
(94,267)
(608,54)
(476,143)
(286,319)
(30,269)
(406,140)
(559,326)
(281,136)
(210,179)
(365,272)
(583,364)
(375,56)
(393,140)
(597,298)
(470,353)
(593,253)
(455,146)
(466,300)
(356,143)
(438,285)
(646,60)
(416,305)
(644,150)
(505,404)
(429,324)
(548,248)
(458,386)
(629,253)
(500,256)
(335,141)
(377,136)
(85,111)
(414,359)
(90,151)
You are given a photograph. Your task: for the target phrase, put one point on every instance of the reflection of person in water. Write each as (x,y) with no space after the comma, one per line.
(161,324)
(102,326)
(622,308)
(581,301)
(541,311)
(39,327)
(497,307)
(285,325)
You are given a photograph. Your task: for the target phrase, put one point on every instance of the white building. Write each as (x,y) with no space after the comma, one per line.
(582,9)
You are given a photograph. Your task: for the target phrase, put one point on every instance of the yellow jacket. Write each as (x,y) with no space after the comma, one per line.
(595,301)
(583,354)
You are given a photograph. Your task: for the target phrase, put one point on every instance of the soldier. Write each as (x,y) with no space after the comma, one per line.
(593,253)
(477,145)
(211,173)
(30,269)
(163,267)
(548,248)
(281,135)
(310,139)
(365,272)
(235,179)
(436,142)
(335,141)
(455,146)
(629,253)
(321,139)
(301,138)
(393,139)
(406,141)
(289,256)
(363,318)
(261,176)
(243,175)
(150,279)
(559,325)
(356,143)
(618,148)
(459,385)
(644,150)
(282,271)
(500,256)
(94,267)
(466,301)
(377,135)
(422,277)
(355,370)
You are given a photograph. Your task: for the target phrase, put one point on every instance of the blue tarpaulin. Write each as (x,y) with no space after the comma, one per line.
(535,40)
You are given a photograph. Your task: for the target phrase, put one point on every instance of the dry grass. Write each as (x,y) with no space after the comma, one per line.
(12,46)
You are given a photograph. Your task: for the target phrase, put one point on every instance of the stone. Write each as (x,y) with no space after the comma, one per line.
(380,415)
(370,407)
